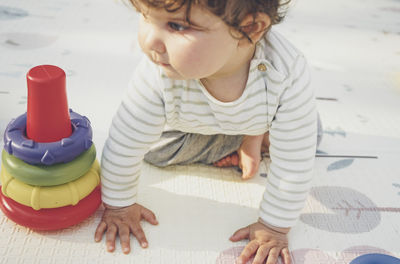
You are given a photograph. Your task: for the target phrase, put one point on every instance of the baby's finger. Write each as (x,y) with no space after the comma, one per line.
(261,255)
(101,228)
(248,251)
(111,234)
(273,256)
(240,234)
(123,232)
(149,216)
(140,236)
(287,259)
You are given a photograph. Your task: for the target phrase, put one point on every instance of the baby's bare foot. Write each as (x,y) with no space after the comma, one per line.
(250,155)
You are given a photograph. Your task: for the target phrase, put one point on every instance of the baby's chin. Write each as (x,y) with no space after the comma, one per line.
(174,75)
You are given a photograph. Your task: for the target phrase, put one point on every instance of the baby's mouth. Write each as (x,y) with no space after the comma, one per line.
(163,64)
(159,62)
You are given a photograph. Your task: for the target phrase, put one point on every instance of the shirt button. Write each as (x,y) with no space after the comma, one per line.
(262,67)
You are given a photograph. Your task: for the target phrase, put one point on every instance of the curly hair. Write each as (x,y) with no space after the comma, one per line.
(232,12)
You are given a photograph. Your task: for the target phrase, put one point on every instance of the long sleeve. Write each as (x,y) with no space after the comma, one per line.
(292,150)
(137,124)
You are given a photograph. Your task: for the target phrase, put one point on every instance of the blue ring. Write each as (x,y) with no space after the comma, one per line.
(375,259)
(17,144)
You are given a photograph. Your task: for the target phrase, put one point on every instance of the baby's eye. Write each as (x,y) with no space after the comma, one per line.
(176,26)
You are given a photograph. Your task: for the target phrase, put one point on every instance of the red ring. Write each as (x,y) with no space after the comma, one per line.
(51,219)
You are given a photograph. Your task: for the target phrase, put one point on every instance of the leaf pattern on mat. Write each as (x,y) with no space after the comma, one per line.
(398,186)
(26,41)
(11,74)
(7,13)
(340,164)
(341,210)
(391,9)
(363,118)
(334,132)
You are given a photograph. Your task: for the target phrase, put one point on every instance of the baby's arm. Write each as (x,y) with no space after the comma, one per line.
(292,136)
(293,139)
(137,124)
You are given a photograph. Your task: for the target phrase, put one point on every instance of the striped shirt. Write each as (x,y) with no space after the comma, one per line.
(278,98)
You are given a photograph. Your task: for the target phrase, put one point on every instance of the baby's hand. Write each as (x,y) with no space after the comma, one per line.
(123,221)
(265,243)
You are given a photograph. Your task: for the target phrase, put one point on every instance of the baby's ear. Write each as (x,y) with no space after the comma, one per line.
(255,25)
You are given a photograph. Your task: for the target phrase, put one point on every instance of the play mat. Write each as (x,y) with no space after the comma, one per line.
(353,208)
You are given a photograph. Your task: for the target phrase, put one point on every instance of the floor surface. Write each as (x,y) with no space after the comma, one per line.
(353,208)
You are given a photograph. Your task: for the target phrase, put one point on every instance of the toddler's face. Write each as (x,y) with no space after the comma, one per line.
(203,49)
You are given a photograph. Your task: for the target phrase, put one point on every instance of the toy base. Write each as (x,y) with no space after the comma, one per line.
(51,219)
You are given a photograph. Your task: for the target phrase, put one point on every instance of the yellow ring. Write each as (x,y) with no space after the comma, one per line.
(39,197)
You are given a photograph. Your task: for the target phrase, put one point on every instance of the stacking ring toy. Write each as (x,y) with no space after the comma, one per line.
(49,175)
(39,197)
(51,219)
(48,153)
(375,259)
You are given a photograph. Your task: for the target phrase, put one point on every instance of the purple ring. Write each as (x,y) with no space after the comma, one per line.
(16,143)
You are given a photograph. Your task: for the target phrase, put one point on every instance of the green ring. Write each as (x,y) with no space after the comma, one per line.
(41,175)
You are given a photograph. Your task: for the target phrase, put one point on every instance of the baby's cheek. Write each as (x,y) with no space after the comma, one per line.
(193,59)
(190,67)
(203,64)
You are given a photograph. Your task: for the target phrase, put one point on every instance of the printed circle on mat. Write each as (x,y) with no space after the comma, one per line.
(16,143)
(42,175)
(375,259)
(51,219)
(39,197)
(230,255)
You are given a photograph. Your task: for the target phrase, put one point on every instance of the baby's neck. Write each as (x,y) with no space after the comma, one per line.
(229,86)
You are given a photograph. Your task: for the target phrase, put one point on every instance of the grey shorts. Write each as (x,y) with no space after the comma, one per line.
(180,148)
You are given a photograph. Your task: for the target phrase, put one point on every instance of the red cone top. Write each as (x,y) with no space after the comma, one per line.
(48,116)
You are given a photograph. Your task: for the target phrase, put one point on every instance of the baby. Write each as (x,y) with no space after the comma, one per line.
(217,86)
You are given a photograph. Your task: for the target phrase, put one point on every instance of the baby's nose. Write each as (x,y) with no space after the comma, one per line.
(155,43)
